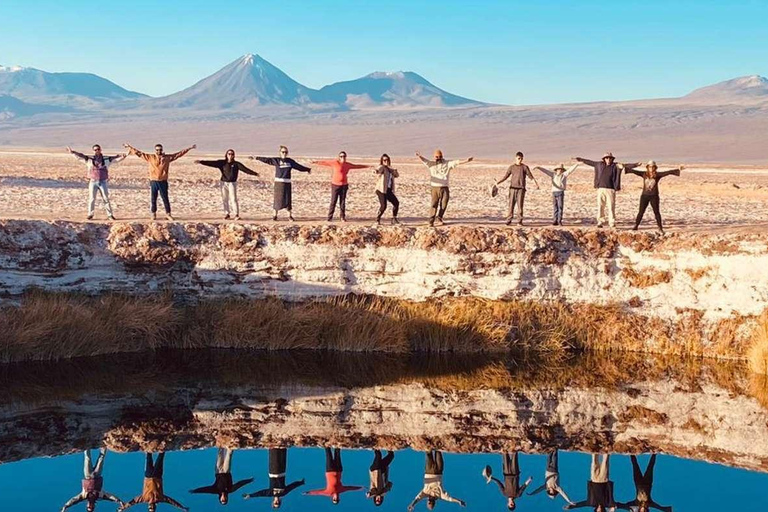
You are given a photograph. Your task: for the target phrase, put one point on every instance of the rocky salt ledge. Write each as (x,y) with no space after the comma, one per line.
(719,275)
(710,423)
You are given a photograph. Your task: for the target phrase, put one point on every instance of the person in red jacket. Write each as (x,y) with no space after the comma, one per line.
(339,183)
(333,486)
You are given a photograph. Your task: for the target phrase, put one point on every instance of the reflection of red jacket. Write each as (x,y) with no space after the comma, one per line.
(333,485)
(340,170)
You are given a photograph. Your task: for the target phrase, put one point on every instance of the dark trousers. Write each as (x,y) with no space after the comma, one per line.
(434,463)
(510,464)
(278,460)
(333,460)
(516,197)
(440,198)
(380,463)
(338,194)
(654,202)
(154,470)
(558,201)
(159,187)
(552,464)
(383,198)
(643,481)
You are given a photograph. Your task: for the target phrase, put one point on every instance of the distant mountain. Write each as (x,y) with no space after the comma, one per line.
(11,107)
(745,88)
(248,82)
(62,89)
(398,89)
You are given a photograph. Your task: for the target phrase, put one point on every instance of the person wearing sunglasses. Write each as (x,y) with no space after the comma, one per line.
(283,187)
(97,167)
(439,172)
(230,169)
(339,184)
(159,165)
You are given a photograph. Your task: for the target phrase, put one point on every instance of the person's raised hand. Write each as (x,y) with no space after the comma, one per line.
(69,149)
(470,159)
(196,161)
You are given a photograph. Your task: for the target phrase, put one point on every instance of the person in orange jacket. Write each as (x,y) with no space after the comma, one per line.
(339,183)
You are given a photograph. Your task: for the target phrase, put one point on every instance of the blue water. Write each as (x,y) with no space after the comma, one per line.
(45,484)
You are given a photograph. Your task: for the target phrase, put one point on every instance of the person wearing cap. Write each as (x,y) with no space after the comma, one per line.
(97,167)
(607,182)
(283,166)
(439,173)
(339,184)
(650,194)
(516,173)
(230,170)
(559,178)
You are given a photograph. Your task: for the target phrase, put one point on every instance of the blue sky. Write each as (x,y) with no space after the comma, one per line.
(505,51)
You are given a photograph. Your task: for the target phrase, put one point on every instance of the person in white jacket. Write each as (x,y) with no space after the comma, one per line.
(439,174)
(559,178)
(97,167)
(433,483)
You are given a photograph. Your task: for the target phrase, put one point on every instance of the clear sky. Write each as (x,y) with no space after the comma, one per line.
(503,51)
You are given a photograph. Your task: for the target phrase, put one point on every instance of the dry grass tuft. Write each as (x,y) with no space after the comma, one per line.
(757,354)
(645,279)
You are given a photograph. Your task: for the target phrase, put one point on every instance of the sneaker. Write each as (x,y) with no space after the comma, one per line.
(90,217)
(169,217)
(395,221)
(290,218)
(111,217)
(344,218)
(431,223)
(153,216)
(378,222)
(554,223)
(440,222)
(599,225)
(509,222)
(274,217)
(612,226)
(661,231)
(237,217)
(520,222)
(634,228)
(226,217)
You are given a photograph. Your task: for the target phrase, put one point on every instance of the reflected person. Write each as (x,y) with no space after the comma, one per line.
(92,484)
(223,484)
(277,490)
(552,479)
(599,487)
(643,501)
(152,493)
(379,473)
(510,488)
(433,483)
(333,470)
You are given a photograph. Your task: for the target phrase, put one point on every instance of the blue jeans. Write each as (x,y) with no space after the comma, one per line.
(558,200)
(160,187)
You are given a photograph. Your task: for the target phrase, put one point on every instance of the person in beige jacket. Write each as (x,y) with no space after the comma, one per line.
(159,165)
(385,188)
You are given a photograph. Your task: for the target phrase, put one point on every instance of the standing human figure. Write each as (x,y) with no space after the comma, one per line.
(607,181)
(510,487)
(439,174)
(650,194)
(339,182)
(552,479)
(97,167)
(379,475)
(517,173)
(152,493)
(277,490)
(643,501)
(159,165)
(433,483)
(599,487)
(333,470)
(385,188)
(230,169)
(223,484)
(559,178)
(283,186)
(92,484)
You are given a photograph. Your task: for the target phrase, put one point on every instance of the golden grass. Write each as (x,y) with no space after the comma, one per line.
(757,354)
(49,326)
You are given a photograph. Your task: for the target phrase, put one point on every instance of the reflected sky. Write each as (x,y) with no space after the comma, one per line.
(47,483)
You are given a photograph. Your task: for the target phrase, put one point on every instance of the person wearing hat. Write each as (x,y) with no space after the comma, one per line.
(650,194)
(510,488)
(439,172)
(607,182)
(517,172)
(433,483)
(559,177)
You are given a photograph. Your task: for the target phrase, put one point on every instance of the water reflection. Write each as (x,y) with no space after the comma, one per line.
(333,471)
(433,483)
(277,490)
(223,485)
(92,484)
(152,492)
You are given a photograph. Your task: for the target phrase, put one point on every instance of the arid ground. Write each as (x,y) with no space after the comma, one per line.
(47,185)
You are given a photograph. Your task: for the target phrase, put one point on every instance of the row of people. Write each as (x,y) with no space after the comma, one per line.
(600,488)
(607,181)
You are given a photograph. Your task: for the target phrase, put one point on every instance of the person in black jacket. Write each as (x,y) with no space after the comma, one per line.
(277,490)
(283,188)
(643,501)
(607,182)
(230,168)
(223,484)
(650,194)
(599,487)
